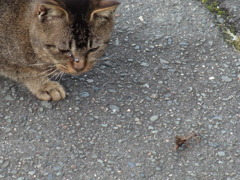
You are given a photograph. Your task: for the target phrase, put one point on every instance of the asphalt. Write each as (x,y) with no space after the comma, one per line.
(167,72)
(233,7)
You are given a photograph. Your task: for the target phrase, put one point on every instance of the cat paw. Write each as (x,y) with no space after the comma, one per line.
(51,91)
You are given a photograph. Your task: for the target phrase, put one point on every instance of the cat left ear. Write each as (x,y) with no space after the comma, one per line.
(50,12)
(105,9)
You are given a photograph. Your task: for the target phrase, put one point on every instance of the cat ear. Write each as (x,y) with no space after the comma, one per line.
(104,9)
(50,12)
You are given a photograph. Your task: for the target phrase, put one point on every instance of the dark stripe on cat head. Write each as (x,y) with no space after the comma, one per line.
(80,34)
(79,10)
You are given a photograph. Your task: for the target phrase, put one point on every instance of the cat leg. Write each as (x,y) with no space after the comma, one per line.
(41,86)
(36,81)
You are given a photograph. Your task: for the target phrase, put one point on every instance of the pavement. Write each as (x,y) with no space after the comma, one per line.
(167,72)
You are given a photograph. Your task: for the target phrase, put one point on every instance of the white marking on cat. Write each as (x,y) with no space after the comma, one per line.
(74,46)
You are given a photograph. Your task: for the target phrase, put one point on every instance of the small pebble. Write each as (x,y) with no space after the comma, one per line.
(104,125)
(21,178)
(221,153)
(84,94)
(150,128)
(114,108)
(5,164)
(183,44)
(214,145)
(154,118)
(57,168)
(14,171)
(218,118)
(164,61)
(131,164)
(50,177)
(90,80)
(144,64)
(31,173)
(226,79)
(154,96)
(137,47)
(94,156)
(112,91)
(46,104)
(100,161)
(9,98)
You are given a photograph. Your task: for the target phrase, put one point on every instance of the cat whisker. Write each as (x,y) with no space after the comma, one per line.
(46,81)
(61,66)
(51,73)
(37,64)
(44,72)
(57,75)
(54,74)
(61,76)
(39,74)
(52,66)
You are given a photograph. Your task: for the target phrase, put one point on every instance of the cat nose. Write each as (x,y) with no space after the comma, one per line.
(76,60)
(78,65)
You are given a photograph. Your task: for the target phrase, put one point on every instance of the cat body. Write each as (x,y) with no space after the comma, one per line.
(44,38)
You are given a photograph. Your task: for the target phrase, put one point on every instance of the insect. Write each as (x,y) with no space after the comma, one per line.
(182,140)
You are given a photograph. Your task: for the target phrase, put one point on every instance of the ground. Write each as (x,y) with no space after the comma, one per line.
(168,71)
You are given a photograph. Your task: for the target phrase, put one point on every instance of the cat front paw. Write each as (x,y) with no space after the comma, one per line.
(51,91)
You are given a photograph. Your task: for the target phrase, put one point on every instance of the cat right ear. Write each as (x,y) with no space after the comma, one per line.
(48,12)
(104,10)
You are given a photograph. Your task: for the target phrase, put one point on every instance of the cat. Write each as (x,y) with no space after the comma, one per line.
(44,38)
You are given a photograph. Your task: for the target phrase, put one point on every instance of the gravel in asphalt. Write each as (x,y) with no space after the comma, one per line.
(167,72)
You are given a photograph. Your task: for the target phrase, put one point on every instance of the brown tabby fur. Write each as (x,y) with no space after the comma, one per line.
(44,38)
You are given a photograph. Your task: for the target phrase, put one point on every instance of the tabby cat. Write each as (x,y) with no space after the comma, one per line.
(42,38)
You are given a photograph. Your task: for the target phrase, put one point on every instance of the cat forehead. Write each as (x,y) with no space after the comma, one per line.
(73,7)
(78,38)
(79,28)
(77,7)
(81,33)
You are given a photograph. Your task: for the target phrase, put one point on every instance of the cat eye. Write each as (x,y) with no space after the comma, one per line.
(69,54)
(93,50)
(64,51)
(50,46)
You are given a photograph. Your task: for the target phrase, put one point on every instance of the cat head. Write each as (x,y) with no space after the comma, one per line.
(71,34)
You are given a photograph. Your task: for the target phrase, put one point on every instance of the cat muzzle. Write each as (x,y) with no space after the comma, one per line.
(78,65)
(75,66)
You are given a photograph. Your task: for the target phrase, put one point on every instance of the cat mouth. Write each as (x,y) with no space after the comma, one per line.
(75,67)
